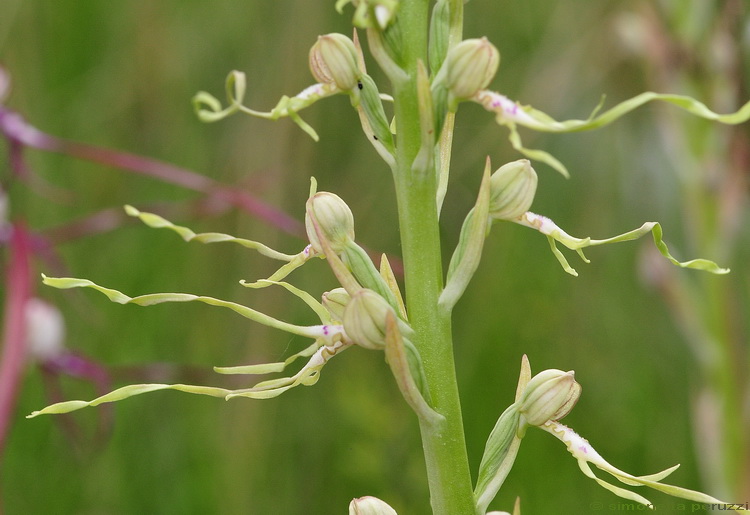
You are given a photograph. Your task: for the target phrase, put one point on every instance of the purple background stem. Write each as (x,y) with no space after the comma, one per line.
(18,292)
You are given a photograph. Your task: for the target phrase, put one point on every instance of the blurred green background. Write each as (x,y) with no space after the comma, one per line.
(121,75)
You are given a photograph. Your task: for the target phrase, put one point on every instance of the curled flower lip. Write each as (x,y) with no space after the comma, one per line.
(330,339)
(555,234)
(511,114)
(582,451)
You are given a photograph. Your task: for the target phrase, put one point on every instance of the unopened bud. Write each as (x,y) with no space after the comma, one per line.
(334,218)
(512,190)
(369,505)
(364,319)
(471,65)
(333,60)
(335,302)
(549,395)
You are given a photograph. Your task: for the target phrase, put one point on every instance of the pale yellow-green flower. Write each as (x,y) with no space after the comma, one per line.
(582,451)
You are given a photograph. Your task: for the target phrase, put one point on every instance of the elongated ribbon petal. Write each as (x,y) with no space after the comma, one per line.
(307,376)
(511,114)
(158,222)
(128,391)
(328,332)
(209,107)
(555,234)
(585,454)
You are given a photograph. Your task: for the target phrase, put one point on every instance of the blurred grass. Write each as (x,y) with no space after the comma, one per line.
(121,74)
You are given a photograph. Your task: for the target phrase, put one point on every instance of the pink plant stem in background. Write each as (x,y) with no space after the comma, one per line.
(20,133)
(18,292)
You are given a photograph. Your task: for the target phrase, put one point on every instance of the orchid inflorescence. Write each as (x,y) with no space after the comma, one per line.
(366,308)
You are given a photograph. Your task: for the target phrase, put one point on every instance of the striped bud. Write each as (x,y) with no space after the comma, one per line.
(364,319)
(334,218)
(512,190)
(549,395)
(333,60)
(471,65)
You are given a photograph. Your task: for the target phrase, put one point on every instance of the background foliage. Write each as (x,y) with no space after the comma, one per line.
(121,74)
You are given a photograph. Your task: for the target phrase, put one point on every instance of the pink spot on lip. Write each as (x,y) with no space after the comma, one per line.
(584,449)
(325,330)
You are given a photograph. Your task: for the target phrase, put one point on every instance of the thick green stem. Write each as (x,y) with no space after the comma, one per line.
(444,445)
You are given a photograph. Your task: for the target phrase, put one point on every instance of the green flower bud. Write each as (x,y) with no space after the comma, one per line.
(335,302)
(364,319)
(334,219)
(512,190)
(471,65)
(370,506)
(333,60)
(549,395)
